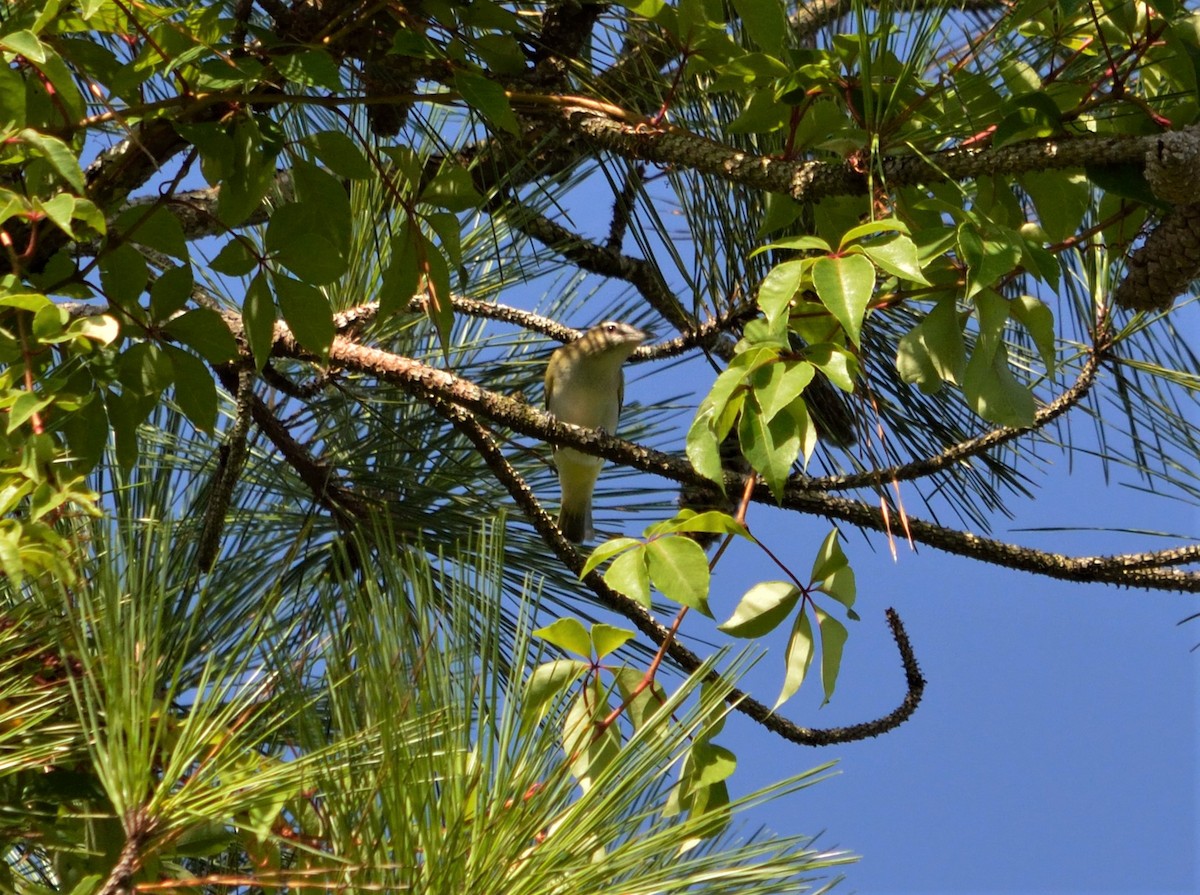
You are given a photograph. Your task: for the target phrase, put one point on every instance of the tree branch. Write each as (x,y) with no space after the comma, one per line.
(971,447)
(813,180)
(428,384)
(462,420)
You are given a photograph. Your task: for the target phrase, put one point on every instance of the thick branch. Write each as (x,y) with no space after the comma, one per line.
(430,384)
(812,180)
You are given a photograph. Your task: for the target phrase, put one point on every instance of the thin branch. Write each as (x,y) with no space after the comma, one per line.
(490,451)
(972,447)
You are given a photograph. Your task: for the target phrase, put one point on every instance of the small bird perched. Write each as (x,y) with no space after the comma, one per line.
(585,387)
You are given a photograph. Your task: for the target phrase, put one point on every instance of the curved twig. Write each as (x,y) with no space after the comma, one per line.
(520,491)
(972,447)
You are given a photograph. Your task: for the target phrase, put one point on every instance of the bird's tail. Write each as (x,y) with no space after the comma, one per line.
(575,520)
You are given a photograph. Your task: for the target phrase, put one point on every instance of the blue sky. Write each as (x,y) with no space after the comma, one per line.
(1055,749)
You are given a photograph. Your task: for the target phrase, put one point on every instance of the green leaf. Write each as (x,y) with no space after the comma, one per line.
(235,259)
(606,551)
(34,302)
(1032,115)
(1038,320)
(340,154)
(897,255)
(101,328)
(711,521)
(440,309)
(24,43)
(765,22)
(170,292)
(780,285)
(991,252)
(204,330)
(761,609)
(311,237)
(545,685)
(715,415)
(704,451)
(796,244)
(994,393)
(258,320)
(123,274)
(711,763)
(325,200)
(403,273)
(839,365)
(1061,199)
(777,385)
(567,634)
(805,428)
(590,748)
(310,68)
(58,154)
(870,228)
(830,557)
(771,447)
(845,285)
(12,99)
(833,639)
(125,413)
(831,572)
(607,639)
(307,313)
(87,434)
(934,351)
(195,391)
(154,227)
(988,384)
(26,405)
(487,98)
(60,209)
(799,658)
(145,369)
(641,707)
(453,189)
(251,173)
(629,575)
(678,567)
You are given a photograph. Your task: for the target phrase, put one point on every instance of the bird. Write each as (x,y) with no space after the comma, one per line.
(585,387)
